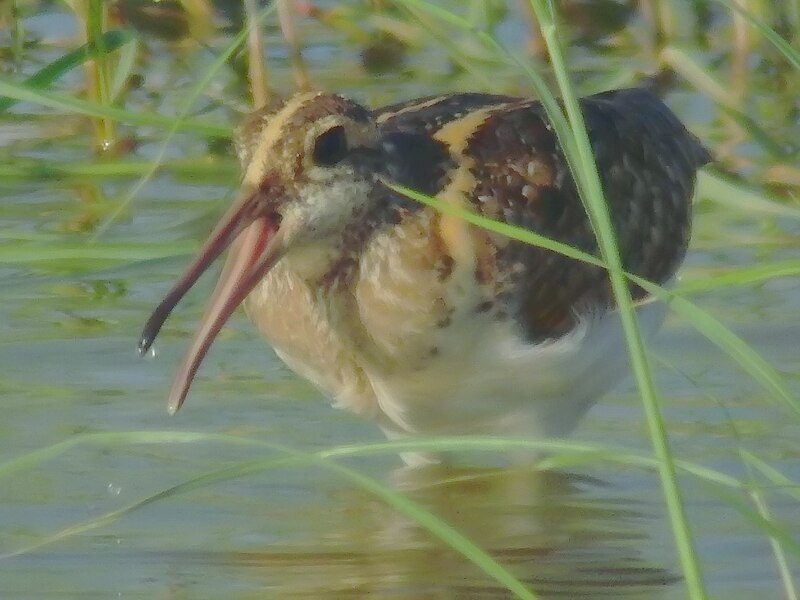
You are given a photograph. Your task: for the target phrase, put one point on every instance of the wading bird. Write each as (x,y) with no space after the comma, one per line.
(416,319)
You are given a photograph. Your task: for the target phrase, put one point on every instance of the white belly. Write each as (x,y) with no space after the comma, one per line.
(496,383)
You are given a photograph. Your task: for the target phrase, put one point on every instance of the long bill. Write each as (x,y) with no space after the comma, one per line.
(255,244)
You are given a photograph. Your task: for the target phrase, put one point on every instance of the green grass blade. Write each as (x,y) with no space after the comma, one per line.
(779,480)
(23,169)
(778,550)
(593,197)
(69,104)
(111,41)
(781,561)
(512,231)
(116,438)
(439,528)
(288,458)
(591,452)
(776,531)
(202,84)
(739,276)
(542,90)
(725,191)
(127,252)
(205,480)
(747,358)
(702,79)
(769,34)
(436,526)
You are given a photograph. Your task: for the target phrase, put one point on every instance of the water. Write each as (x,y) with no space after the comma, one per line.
(68,332)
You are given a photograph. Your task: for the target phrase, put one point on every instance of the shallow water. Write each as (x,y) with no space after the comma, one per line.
(69,327)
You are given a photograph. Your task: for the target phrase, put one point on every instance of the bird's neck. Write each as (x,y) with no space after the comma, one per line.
(331,260)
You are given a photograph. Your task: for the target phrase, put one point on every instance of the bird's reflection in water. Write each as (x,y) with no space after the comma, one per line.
(563,535)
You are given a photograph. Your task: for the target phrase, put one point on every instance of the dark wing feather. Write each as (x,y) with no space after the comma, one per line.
(647,161)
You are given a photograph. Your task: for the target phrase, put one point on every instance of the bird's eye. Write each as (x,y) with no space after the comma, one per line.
(330,147)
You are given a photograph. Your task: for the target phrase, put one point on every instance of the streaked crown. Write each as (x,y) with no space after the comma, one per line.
(304,137)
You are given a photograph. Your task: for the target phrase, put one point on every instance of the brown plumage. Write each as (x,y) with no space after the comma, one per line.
(414,318)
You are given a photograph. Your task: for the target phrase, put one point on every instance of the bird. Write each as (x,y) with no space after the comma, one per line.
(414,318)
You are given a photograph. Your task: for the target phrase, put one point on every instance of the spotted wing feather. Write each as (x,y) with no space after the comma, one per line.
(647,161)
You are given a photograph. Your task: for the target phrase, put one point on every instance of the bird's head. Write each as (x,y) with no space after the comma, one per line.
(309,168)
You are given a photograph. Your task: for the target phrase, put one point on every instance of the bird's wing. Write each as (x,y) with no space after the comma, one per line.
(498,156)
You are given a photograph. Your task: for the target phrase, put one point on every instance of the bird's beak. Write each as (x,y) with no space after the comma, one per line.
(256,244)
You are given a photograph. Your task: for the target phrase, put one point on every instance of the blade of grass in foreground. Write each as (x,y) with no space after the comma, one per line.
(781,561)
(593,198)
(755,490)
(759,499)
(578,151)
(765,525)
(442,530)
(511,231)
(447,534)
(747,358)
(292,458)
(735,347)
(710,184)
(569,449)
